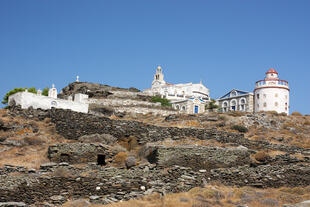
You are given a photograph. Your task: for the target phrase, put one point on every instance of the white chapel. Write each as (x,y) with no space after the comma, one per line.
(176,91)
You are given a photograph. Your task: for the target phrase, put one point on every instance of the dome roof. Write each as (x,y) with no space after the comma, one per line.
(271,70)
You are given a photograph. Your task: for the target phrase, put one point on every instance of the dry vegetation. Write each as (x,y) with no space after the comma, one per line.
(294,129)
(216,195)
(26,147)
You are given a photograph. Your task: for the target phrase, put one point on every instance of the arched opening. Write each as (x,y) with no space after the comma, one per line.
(242,104)
(233,105)
(224,106)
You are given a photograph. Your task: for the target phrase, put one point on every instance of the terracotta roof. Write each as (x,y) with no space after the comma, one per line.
(271,70)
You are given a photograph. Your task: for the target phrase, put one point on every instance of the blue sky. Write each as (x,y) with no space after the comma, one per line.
(226,44)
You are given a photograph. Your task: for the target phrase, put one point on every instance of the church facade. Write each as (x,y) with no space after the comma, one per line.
(181,95)
(176,91)
(236,100)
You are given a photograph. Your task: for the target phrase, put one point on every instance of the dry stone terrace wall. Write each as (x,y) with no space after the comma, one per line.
(199,157)
(73,125)
(114,184)
(80,153)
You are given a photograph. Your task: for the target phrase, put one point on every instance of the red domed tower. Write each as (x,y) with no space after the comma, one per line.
(271,94)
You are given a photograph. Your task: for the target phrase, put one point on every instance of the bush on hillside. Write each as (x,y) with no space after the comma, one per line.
(163,101)
(296,113)
(45,91)
(240,128)
(212,105)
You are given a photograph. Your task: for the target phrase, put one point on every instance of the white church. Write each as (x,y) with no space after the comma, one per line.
(186,97)
(26,99)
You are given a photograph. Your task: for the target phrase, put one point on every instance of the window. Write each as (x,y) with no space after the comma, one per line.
(177,107)
(276,95)
(265,95)
(276,104)
(257,96)
(183,108)
(265,104)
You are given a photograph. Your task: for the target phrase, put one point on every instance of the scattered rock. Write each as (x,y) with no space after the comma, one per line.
(130,162)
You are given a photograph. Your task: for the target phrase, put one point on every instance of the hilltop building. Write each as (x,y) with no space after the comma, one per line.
(176,91)
(272,94)
(26,100)
(236,100)
(186,97)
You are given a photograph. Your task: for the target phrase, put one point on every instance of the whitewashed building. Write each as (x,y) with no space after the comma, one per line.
(26,99)
(189,98)
(272,94)
(190,106)
(176,92)
(236,100)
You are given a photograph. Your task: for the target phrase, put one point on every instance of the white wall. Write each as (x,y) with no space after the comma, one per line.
(268,96)
(26,100)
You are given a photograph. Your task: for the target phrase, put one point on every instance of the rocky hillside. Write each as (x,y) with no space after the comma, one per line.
(59,157)
(108,100)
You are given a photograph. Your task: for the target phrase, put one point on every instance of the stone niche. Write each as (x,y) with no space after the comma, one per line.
(196,157)
(80,153)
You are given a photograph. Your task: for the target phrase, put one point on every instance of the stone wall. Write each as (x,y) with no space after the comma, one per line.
(107,185)
(201,157)
(73,125)
(80,153)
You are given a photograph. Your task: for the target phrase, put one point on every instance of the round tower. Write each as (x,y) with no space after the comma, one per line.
(272,94)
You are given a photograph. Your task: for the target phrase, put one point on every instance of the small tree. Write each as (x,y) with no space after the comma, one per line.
(45,91)
(163,101)
(211,106)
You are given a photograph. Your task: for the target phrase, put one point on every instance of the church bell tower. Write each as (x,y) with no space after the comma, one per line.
(158,78)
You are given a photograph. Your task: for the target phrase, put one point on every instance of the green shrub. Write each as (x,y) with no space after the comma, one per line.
(163,101)
(240,128)
(212,105)
(45,91)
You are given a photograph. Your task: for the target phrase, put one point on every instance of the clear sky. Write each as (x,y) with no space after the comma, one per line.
(226,44)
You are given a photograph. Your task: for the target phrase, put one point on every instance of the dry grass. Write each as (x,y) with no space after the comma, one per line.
(218,195)
(120,158)
(261,156)
(33,151)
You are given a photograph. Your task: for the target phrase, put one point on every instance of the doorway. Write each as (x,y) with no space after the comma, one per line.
(196,110)
(101,160)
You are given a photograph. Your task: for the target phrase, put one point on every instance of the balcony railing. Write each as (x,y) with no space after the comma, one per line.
(270,83)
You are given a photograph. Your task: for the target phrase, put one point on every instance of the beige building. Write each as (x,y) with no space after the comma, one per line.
(236,100)
(190,106)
